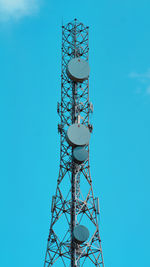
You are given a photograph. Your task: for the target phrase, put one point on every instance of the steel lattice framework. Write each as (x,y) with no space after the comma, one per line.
(74,202)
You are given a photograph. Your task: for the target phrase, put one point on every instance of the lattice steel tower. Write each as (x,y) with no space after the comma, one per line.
(74,238)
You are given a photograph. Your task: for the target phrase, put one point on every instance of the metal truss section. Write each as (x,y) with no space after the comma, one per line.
(74,202)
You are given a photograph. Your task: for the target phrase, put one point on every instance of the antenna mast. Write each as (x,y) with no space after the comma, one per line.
(74,238)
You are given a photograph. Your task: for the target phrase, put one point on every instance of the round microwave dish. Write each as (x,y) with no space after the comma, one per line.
(78,135)
(80,234)
(80,154)
(78,69)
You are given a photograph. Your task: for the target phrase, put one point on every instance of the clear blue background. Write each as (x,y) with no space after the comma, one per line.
(30,67)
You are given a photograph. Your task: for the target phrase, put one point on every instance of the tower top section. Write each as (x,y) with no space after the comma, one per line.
(75,22)
(75,39)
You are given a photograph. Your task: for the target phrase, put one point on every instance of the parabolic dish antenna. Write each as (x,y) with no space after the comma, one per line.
(78,69)
(80,154)
(80,234)
(78,135)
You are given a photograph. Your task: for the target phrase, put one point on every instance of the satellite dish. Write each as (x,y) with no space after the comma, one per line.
(80,234)
(78,135)
(78,69)
(80,154)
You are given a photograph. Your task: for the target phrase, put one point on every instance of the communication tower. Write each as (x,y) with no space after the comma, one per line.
(74,238)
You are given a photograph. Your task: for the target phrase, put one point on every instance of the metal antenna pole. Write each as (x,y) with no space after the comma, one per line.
(74,206)
(73,182)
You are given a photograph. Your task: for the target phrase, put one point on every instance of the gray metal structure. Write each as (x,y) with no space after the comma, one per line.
(74,202)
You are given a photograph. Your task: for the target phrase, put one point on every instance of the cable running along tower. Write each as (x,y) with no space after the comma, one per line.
(74,238)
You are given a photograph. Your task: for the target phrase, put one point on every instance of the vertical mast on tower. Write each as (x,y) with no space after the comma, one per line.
(74,238)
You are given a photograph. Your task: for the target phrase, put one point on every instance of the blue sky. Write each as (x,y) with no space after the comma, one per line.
(30,57)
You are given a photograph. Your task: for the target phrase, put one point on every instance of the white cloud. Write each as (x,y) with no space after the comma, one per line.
(142,78)
(135,74)
(15,9)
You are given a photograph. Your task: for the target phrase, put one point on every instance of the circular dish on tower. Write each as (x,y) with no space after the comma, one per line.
(80,154)
(78,135)
(80,234)
(78,69)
